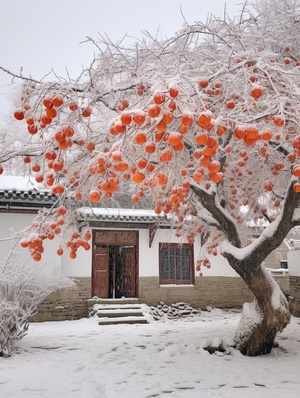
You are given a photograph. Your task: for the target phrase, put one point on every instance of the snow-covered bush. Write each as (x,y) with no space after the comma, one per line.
(23,286)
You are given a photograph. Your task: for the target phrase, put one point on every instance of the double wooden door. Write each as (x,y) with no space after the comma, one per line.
(115,267)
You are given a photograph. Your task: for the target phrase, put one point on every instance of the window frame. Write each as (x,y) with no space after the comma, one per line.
(175,281)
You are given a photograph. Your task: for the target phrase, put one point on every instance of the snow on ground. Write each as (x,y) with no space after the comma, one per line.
(81,359)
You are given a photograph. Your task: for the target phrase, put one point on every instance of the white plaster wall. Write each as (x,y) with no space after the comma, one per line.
(9,224)
(15,222)
(219,267)
(81,266)
(294,263)
(149,256)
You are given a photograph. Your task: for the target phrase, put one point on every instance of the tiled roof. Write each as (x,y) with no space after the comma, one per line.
(31,198)
(121,215)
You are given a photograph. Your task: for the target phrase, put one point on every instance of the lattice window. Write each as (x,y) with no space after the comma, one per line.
(176,263)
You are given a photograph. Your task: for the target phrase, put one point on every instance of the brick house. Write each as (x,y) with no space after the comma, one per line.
(134,254)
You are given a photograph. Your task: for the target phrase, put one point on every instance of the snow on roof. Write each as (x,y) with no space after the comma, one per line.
(23,192)
(117,212)
(18,190)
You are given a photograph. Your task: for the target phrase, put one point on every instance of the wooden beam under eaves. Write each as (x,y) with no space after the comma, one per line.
(152,230)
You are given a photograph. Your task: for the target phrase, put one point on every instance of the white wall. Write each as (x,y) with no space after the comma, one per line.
(149,256)
(11,223)
(82,265)
(294,263)
(219,267)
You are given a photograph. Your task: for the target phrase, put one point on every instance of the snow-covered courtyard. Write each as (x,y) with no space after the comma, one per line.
(81,359)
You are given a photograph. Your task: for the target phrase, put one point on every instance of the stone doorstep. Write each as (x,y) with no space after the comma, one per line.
(119,306)
(114,313)
(124,320)
(121,301)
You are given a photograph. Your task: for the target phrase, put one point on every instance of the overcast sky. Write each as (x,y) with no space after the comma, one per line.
(38,35)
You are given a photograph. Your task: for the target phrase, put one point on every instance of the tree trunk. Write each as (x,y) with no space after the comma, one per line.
(267,315)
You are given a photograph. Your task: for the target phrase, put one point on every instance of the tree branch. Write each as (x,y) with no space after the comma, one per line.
(226,224)
(29,79)
(271,238)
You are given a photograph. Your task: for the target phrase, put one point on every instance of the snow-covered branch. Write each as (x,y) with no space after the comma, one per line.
(224,222)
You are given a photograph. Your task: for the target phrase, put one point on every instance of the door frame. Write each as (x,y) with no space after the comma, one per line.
(112,237)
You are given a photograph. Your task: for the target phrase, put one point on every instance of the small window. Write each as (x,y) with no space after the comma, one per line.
(284,264)
(176,263)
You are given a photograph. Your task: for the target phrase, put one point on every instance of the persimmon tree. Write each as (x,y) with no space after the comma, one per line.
(207,122)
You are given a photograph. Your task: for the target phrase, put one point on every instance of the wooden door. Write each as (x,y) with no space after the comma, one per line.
(100,272)
(119,262)
(128,255)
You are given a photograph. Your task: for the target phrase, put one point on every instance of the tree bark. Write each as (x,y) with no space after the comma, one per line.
(267,315)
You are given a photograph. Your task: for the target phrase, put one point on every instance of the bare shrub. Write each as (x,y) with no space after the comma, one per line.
(23,286)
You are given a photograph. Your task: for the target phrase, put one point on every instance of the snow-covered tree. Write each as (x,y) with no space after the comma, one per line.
(207,122)
(23,286)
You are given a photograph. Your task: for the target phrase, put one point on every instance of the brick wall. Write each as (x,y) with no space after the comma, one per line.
(222,292)
(65,304)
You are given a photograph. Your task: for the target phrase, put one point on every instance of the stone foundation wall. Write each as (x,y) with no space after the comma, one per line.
(274,258)
(65,305)
(222,292)
(294,298)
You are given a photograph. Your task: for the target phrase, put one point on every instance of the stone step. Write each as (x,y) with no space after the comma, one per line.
(129,300)
(123,320)
(114,314)
(119,306)
(117,313)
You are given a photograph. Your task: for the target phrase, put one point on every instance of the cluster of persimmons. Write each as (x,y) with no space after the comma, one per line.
(217,131)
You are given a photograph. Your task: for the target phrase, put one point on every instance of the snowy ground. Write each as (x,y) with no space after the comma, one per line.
(81,359)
